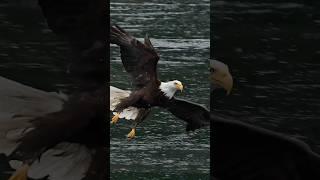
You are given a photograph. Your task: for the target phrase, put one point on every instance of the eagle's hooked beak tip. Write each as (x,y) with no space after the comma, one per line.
(227,84)
(179,87)
(228,92)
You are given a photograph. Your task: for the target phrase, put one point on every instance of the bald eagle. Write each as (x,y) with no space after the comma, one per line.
(46,134)
(245,151)
(140,61)
(55,136)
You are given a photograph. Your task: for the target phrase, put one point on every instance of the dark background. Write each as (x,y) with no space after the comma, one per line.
(272,49)
(30,53)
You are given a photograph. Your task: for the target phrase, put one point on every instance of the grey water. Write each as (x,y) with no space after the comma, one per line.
(180,32)
(273,52)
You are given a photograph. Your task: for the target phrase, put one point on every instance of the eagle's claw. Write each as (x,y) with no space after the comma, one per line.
(115,118)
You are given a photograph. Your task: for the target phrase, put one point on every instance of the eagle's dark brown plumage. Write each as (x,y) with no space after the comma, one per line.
(140,61)
(57,139)
(245,151)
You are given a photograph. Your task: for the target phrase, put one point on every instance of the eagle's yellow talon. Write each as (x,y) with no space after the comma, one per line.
(21,173)
(115,118)
(132,134)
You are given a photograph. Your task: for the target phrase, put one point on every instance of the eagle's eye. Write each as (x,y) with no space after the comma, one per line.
(175,83)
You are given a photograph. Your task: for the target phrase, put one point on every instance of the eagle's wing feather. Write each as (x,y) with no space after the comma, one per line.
(63,161)
(129,113)
(245,151)
(139,59)
(195,115)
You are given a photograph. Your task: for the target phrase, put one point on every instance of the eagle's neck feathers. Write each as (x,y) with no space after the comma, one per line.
(168,89)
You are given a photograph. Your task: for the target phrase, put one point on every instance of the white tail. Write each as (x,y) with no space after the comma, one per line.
(18,105)
(116,94)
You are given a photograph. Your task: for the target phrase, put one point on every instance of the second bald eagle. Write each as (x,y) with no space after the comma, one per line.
(140,61)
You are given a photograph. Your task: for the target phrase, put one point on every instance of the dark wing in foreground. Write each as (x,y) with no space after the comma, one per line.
(195,115)
(246,152)
(139,60)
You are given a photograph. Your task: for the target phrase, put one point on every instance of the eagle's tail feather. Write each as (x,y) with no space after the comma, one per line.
(129,113)
(19,104)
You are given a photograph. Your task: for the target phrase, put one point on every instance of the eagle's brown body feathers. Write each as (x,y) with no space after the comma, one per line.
(145,97)
(140,61)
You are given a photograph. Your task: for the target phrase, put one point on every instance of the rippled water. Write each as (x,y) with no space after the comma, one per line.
(273,52)
(162,148)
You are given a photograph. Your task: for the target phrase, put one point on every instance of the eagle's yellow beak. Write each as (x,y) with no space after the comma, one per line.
(179,86)
(220,75)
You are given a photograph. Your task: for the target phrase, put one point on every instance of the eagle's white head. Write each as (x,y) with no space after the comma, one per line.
(169,88)
(220,75)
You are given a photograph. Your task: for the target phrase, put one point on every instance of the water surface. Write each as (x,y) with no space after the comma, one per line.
(162,149)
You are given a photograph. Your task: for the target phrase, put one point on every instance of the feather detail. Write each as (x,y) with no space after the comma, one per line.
(116,95)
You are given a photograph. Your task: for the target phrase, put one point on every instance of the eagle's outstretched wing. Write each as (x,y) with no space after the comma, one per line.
(139,59)
(244,151)
(194,114)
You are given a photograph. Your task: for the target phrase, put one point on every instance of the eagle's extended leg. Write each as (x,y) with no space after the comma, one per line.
(21,173)
(115,118)
(142,115)
(132,133)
